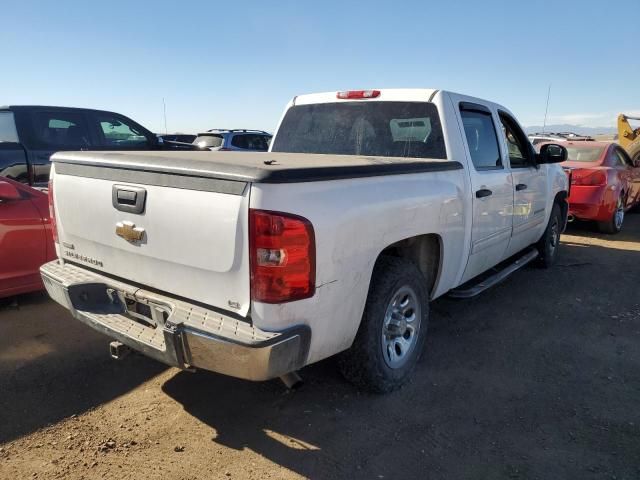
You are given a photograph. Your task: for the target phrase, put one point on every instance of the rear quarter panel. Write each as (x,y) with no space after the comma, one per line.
(354,220)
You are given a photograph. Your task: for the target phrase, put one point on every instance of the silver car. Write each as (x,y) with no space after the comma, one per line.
(220,139)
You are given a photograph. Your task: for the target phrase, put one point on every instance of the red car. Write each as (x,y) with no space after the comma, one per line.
(26,238)
(605,183)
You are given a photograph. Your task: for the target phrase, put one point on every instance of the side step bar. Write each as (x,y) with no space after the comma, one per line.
(480,284)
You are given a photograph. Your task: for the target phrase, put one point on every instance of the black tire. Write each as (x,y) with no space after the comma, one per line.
(367,362)
(549,243)
(614,224)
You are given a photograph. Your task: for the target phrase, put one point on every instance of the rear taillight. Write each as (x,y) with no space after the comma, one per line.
(52,212)
(355,94)
(588,177)
(282,255)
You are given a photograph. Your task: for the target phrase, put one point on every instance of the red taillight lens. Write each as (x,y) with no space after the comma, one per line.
(282,255)
(352,94)
(52,212)
(588,177)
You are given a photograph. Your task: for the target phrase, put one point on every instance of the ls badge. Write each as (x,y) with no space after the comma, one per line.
(129,231)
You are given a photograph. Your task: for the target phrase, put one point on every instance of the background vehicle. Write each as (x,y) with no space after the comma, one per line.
(29,135)
(26,240)
(233,140)
(256,265)
(605,183)
(629,137)
(538,138)
(177,137)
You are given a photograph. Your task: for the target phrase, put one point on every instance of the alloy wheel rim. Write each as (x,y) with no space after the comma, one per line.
(400,327)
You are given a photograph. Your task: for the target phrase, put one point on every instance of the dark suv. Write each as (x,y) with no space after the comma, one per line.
(29,135)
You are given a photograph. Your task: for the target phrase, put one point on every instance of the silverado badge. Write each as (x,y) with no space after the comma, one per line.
(129,231)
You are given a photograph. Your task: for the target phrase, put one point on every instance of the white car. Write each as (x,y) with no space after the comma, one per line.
(370,205)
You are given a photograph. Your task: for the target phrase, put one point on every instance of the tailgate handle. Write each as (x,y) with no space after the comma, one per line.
(128,199)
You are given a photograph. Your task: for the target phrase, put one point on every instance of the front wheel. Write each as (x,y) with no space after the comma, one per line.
(549,243)
(614,224)
(393,329)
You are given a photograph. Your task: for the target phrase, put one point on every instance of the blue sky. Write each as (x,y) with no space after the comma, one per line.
(236,64)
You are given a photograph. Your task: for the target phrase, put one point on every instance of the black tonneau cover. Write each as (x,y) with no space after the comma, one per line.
(256,167)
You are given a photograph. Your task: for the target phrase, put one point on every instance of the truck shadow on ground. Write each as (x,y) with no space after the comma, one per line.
(52,366)
(538,377)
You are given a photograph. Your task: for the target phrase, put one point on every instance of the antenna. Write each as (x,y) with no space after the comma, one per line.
(164,108)
(546,110)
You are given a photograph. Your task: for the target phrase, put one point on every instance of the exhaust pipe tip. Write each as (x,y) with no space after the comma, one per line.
(291,380)
(570,218)
(118,350)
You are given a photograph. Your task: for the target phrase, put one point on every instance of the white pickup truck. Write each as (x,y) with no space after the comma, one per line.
(370,205)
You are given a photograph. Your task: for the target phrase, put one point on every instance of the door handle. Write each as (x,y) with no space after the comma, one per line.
(521,186)
(483,192)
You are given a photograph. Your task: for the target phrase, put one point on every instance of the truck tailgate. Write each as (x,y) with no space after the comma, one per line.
(189,239)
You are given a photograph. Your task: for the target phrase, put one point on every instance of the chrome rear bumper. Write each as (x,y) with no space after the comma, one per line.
(177,332)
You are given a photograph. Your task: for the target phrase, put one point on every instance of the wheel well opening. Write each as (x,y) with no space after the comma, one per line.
(561,200)
(422,250)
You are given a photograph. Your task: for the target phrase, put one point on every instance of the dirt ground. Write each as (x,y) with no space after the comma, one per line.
(536,378)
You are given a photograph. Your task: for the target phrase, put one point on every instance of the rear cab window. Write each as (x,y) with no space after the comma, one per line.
(379,128)
(587,154)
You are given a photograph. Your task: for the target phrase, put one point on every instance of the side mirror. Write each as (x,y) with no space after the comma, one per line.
(9,192)
(552,153)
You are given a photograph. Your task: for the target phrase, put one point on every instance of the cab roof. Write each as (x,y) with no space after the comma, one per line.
(14,108)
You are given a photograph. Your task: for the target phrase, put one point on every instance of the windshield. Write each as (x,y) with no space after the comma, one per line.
(584,154)
(208,141)
(387,129)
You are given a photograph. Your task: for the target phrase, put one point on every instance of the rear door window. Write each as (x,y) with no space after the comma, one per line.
(388,129)
(8,132)
(60,130)
(251,141)
(482,139)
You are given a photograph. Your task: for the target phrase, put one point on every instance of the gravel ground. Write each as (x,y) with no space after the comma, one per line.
(536,378)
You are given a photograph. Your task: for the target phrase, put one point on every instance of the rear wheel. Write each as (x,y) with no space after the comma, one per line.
(614,224)
(550,242)
(393,329)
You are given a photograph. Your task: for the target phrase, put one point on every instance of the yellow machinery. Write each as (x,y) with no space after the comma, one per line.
(628,137)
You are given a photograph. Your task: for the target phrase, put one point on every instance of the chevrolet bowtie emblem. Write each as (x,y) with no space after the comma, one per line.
(129,231)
